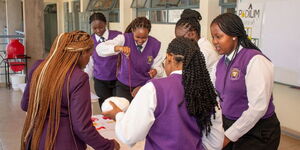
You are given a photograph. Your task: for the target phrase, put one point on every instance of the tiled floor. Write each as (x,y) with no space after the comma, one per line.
(12,117)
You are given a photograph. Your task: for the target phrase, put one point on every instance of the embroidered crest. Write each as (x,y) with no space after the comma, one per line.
(235,74)
(149,59)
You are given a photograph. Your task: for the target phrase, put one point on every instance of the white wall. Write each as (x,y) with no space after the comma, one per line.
(286,100)
(164,33)
(209,9)
(287,103)
(115,26)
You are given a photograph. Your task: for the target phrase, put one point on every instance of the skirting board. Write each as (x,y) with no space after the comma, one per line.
(290,132)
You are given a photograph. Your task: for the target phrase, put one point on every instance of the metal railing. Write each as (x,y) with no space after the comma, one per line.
(4,40)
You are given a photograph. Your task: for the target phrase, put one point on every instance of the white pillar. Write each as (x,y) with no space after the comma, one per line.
(2,16)
(126,14)
(209,9)
(13,16)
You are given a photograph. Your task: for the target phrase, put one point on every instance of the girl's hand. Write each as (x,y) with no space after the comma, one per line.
(152,73)
(123,49)
(112,113)
(135,91)
(117,145)
(226,141)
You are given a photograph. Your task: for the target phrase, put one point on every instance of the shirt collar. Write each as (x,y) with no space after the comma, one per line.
(230,56)
(105,35)
(176,72)
(144,44)
(201,40)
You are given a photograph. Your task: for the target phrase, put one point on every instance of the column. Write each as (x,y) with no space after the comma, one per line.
(209,9)
(34,29)
(13,16)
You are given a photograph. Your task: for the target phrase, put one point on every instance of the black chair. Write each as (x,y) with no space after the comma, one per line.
(16,65)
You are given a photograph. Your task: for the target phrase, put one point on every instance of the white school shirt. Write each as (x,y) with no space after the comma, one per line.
(134,125)
(210,54)
(108,49)
(259,84)
(89,69)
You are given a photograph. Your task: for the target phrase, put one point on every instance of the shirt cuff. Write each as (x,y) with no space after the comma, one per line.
(119,116)
(232,134)
(159,71)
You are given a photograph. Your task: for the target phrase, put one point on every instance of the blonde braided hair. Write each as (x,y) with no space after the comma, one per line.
(47,86)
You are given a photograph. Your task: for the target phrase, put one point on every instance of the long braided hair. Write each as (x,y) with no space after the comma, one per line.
(139,22)
(199,91)
(47,86)
(190,20)
(232,25)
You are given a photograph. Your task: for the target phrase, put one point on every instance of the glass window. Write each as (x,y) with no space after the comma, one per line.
(138,4)
(229,10)
(110,8)
(100,4)
(159,16)
(174,15)
(164,3)
(143,13)
(163,11)
(228,6)
(84,23)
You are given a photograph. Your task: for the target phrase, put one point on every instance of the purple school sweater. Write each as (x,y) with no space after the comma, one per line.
(139,62)
(105,67)
(173,128)
(234,93)
(80,108)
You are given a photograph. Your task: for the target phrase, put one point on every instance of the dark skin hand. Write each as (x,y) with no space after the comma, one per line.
(226,141)
(116,145)
(123,49)
(112,113)
(135,91)
(152,73)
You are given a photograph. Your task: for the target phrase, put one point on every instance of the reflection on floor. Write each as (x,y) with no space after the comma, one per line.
(12,118)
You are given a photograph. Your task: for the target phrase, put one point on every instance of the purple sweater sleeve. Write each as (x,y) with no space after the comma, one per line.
(25,97)
(80,106)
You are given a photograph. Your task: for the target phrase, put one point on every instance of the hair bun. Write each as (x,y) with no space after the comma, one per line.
(189,13)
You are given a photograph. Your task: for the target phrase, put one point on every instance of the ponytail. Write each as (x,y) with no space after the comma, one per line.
(198,89)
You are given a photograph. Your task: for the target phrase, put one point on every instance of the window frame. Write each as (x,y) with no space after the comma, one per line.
(107,11)
(149,10)
(225,5)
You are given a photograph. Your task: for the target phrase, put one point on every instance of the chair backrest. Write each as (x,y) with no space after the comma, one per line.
(14,49)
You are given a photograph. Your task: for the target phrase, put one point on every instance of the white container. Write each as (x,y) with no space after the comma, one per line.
(17,79)
(121,102)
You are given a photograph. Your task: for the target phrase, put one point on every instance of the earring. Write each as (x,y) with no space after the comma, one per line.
(233,39)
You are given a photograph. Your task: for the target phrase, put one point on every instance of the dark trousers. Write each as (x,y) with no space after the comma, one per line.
(104,89)
(123,90)
(265,135)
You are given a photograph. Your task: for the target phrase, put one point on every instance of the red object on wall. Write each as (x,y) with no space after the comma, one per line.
(15,49)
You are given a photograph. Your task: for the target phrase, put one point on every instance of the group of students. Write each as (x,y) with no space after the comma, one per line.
(205,102)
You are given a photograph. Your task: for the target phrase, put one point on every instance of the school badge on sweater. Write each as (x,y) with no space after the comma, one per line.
(235,74)
(149,60)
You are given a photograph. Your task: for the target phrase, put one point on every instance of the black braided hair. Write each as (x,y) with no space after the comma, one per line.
(232,25)
(190,19)
(199,91)
(97,16)
(139,22)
